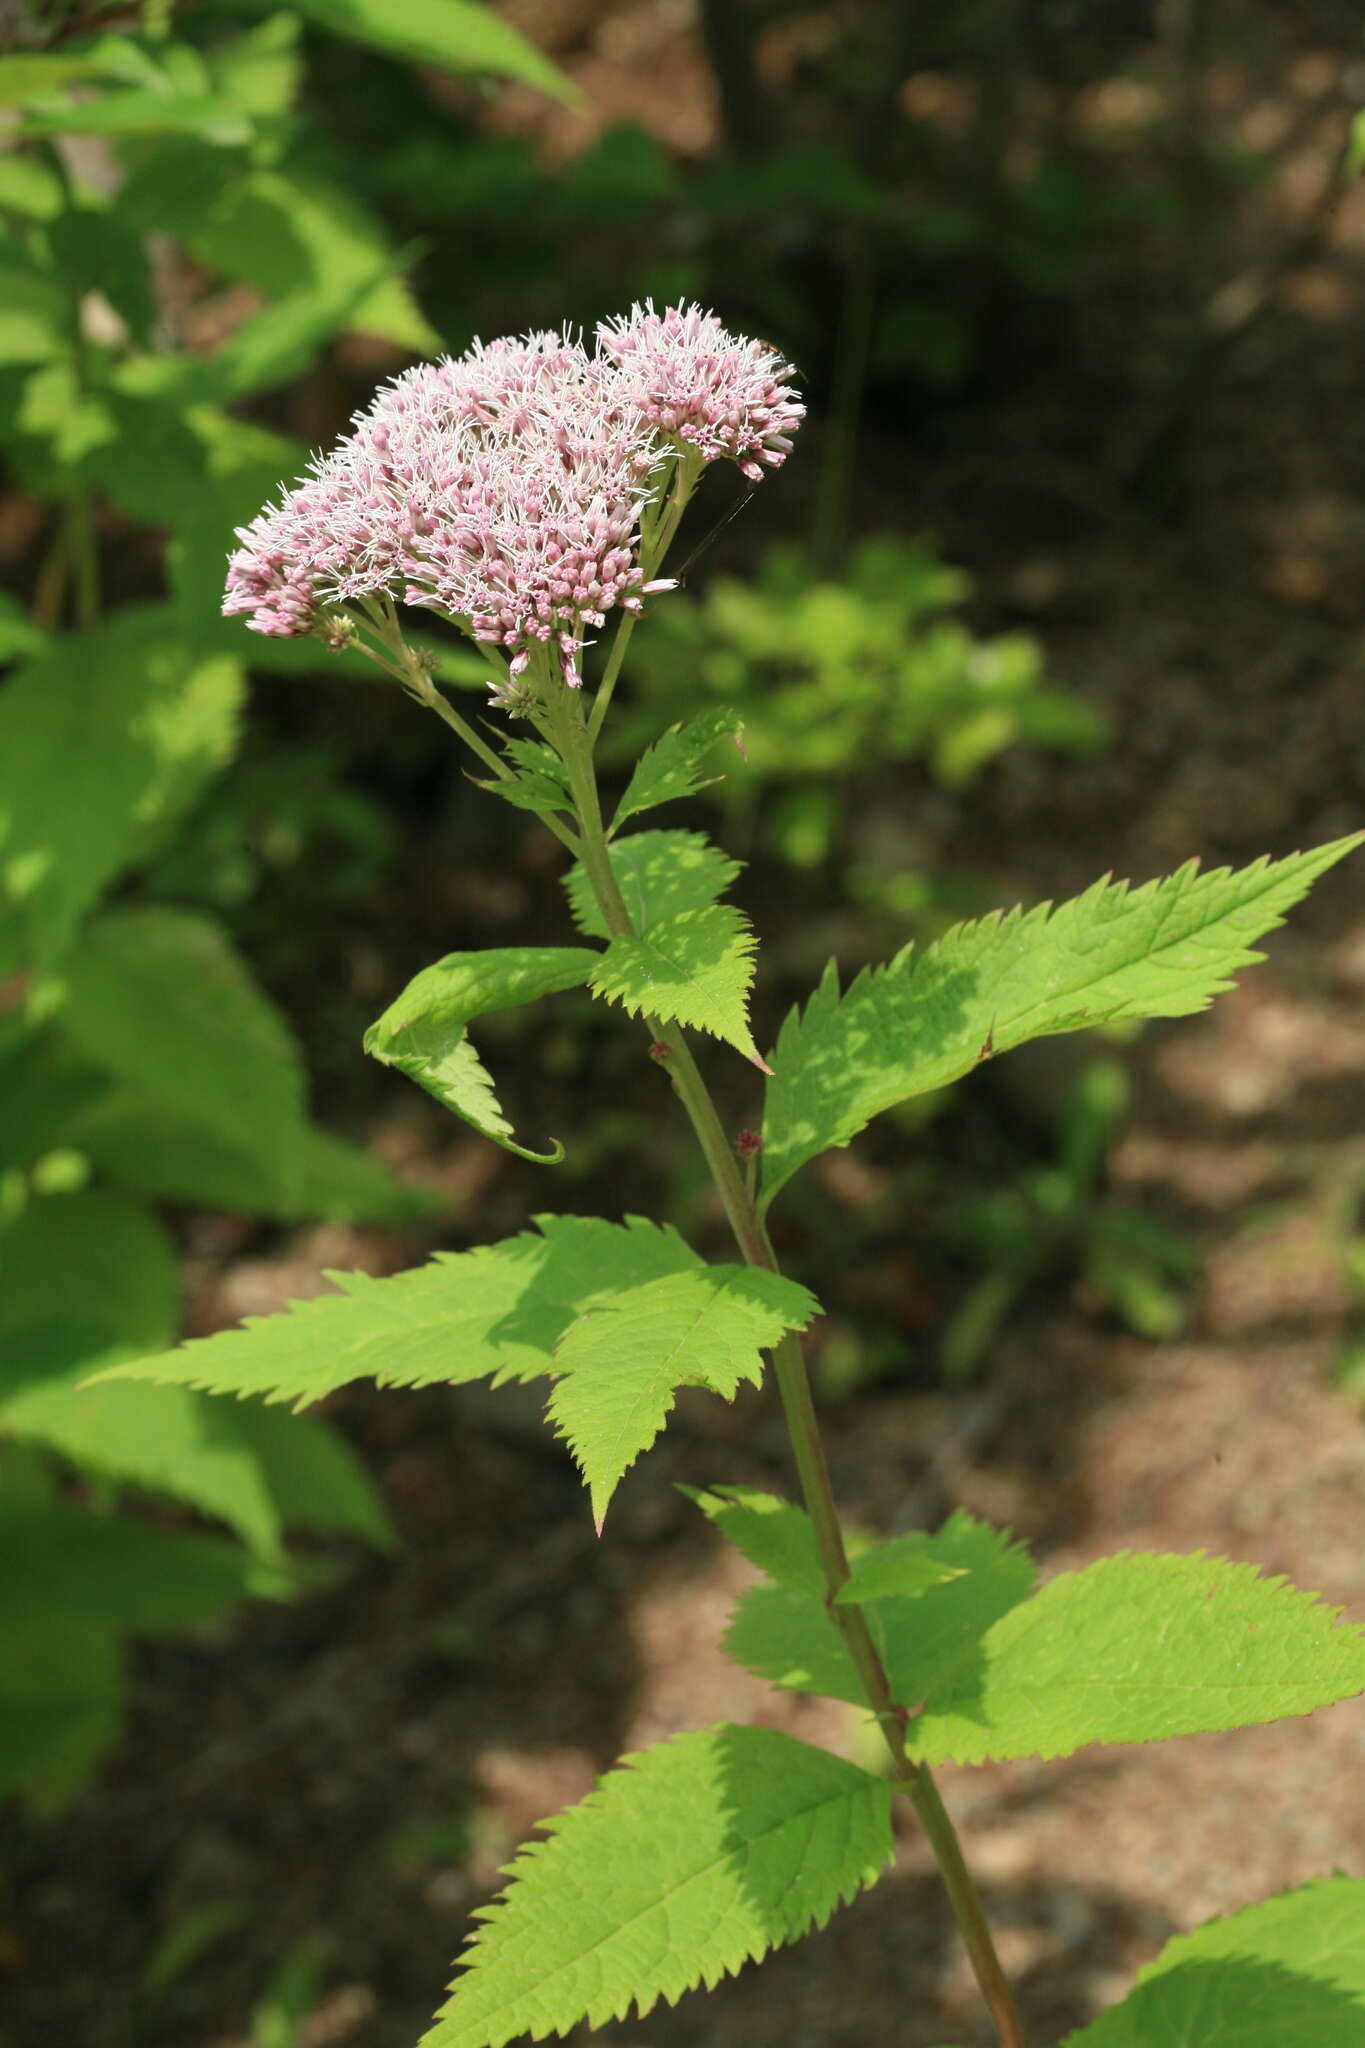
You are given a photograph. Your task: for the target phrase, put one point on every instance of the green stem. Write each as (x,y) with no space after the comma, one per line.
(86,559)
(656,539)
(793,1384)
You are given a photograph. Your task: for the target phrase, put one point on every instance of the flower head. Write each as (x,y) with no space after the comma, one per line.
(505,488)
(699,385)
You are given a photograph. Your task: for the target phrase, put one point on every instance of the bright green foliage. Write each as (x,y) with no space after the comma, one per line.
(772,1534)
(687,1862)
(671,768)
(158,999)
(423,1033)
(693,969)
(129,1133)
(788,1637)
(622,1362)
(104,738)
(497,1312)
(91,1262)
(101,1568)
(89,1278)
(832,677)
(79,1583)
(1289,1973)
(257,1470)
(462,35)
(897,1570)
(137,1139)
(661,875)
(289,233)
(1163,950)
(1134,1649)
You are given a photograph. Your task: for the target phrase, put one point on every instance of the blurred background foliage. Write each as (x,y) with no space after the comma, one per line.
(1021,252)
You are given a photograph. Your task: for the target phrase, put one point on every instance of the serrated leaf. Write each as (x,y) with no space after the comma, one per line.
(691,969)
(930,1016)
(159,999)
(1288,1973)
(538,784)
(898,1570)
(704,1853)
(772,1534)
(621,1363)
(423,1033)
(497,1313)
(671,767)
(460,35)
(1136,1649)
(788,1637)
(660,875)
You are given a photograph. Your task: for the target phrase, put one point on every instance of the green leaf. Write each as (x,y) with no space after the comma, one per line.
(927,1643)
(60,1691)
(139,110)
(704,1853)
(35,317)
(538,784)
(140,1141)
(1136,1649)
(85,1580)
(622,1362)
(1353,163)
(28,187)
(457,34)
(671,767)
(1164,950)
(423,1032)
(258,1470)
(25,77)
(1289,1973)
(772,1534)
(112,1571)
(497,1312)
(259,71)
(661,875)
(691,969)
(159,999)
(97,250)
(898,1570)
(95,1259)
(104,738)
(89,1278)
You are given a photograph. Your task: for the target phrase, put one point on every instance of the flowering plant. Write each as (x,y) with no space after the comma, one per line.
(527,492)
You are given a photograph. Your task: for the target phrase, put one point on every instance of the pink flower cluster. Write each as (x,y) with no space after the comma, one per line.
(697,384)
(505,489)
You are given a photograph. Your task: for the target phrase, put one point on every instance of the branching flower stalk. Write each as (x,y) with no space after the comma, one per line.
(524,493)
